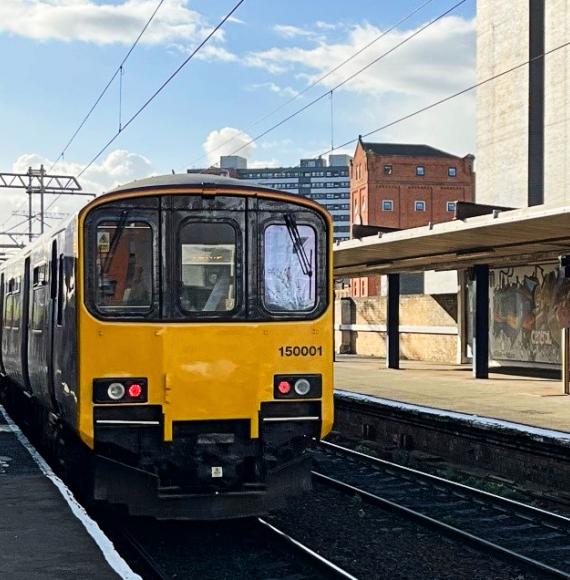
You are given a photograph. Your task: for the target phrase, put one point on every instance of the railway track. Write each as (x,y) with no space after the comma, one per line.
(533,538)
(276,554)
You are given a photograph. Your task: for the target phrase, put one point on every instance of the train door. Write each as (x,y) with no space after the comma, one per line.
(24,325)
(53,306)
(206,251)
(64,330)
(2,370)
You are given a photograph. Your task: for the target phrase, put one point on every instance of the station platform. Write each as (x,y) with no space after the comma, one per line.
(44,533)
(518,399)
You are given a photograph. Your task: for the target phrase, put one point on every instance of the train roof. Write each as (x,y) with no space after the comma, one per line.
(205,180)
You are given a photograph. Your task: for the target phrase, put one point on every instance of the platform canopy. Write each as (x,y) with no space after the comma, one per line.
(502,238)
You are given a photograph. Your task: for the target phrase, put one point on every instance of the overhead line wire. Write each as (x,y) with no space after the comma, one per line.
(349,78)
(155,94)
(450,97)
(328,73)
(97,101)
(118,70)
(162,86)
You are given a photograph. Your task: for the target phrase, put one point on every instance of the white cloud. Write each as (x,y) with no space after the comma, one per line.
(327,25)
(118,167)
(224,142)
(212,52)
(89,21)
(277,89)
(265,61)
(288,31)
(437,62)
(450,126)
(259,164)
(439,58)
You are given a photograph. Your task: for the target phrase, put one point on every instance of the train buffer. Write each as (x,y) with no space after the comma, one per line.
(44,533)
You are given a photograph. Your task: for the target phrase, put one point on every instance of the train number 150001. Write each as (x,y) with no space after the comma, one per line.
(301,350)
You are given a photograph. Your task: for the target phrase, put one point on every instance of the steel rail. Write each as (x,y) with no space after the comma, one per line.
(451,530)
(520,508)
(332,569)
(517,508)
(152,570)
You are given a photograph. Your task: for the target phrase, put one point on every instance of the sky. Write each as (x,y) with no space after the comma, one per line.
(57,56)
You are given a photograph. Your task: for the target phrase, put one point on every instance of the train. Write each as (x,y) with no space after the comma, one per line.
(172,344)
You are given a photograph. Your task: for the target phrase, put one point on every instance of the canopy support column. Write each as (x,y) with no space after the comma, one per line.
(481,323)
(393,322)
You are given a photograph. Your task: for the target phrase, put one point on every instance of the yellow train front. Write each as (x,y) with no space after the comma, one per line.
(191,350)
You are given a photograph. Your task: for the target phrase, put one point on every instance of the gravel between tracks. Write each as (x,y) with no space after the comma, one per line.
(235,550)
(372,543)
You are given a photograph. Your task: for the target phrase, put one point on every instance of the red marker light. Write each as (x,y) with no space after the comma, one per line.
(135,391)
(284,387)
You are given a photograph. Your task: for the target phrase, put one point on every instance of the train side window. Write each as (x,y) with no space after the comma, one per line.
(39,275)
(124,266)
(207,256)
(39,291)
(289,275)
(8,307)
(60,294)
(16,304)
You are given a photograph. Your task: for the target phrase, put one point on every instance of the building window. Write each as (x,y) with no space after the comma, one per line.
(388,170)
(451,206)
(420,205)
(387,205)
(452,171)
(420,170)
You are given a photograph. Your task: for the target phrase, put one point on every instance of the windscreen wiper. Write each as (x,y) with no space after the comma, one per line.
(114,241)
(298,245)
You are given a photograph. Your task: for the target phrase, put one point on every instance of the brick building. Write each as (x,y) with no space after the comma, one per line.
(401,186)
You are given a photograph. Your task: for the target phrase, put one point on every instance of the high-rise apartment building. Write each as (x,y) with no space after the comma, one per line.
(326,183)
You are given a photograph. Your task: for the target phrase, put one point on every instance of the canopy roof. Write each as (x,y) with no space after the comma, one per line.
(521,236)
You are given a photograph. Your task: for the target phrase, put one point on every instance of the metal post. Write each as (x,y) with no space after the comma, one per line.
(30,216)
(565,358)
(42,192)
(393,322)
(461,356)
(481,323)
(536,102)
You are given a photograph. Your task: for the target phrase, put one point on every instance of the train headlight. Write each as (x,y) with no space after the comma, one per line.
(116,391)
(302,387)
(305,386)
(120,390)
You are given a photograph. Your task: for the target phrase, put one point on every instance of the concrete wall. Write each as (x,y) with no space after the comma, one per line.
(440,282)
(557,104)
(428,327)
(502,104)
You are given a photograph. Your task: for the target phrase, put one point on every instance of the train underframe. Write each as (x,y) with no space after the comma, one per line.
(211,470)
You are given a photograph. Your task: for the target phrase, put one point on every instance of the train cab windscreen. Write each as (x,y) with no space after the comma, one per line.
(199,259)
(289,267)
(207,258)
(124,265)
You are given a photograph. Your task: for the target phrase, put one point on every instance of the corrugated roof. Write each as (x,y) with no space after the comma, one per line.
(409,150)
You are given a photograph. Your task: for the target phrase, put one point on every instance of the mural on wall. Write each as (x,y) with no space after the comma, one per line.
(529,306)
